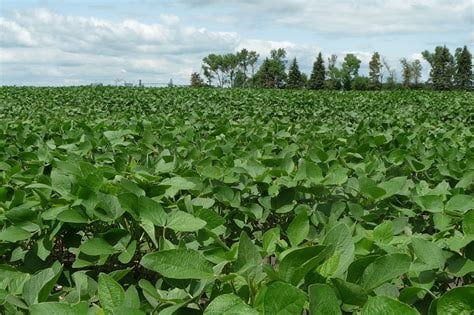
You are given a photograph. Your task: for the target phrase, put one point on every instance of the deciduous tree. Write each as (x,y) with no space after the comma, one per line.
(350,69)
(196,80)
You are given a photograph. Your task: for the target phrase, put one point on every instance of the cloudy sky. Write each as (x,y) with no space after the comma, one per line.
(83,41)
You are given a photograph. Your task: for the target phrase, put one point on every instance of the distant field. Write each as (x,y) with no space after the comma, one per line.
(131,201)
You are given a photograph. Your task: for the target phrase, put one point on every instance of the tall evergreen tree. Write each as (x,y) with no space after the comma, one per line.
(463,78)
(375,72)
(318,75)
(295,80)
(442,67)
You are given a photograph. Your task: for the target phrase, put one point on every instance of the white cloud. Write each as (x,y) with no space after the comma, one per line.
(41,46)
(354,17)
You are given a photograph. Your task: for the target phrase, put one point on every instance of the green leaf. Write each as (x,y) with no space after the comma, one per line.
(370,189)
(394,186)
(270,239)
(126,256)
(248,255)
(298,229)
(131,298)
(323,300)
(57,308)
(458,301)
(213,172)
(179,183)
(384,305)
(122,310)
(350,293)
(384,269)
(72,216)
(468,223)
(336,176)
(96,246)
(38,287)
(111,293)
(228,304)
(296,264)
(341,238)
(429,253)
(283,298)
(151,210)
(14,234)
(178,264)
(460,203)
(383,233)
(181,221)
(430,203)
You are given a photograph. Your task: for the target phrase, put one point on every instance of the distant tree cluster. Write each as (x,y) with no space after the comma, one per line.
(239,70)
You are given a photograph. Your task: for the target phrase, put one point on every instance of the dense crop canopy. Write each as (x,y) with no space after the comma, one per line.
(133,201)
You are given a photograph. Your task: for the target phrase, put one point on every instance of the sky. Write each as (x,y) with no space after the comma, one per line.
(77,42)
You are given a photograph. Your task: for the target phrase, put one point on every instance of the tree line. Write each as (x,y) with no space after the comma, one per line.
(240,70)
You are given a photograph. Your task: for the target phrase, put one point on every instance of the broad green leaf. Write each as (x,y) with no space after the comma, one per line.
(430,203)
(270,239)
(181,221)
(393,186)
(323,300)
(96,247)
(460,203)
(369,188)
(39,286)
(350,293)
(179,183)
(178,264)
(111,293)
(228,304)
(283,298)
(122,310)
(131,298)
(468,223)
(296,264)
(213,172)
(384,305)
(340,237)
(14,234)
(428,252)
(383,233)
(58,308)
(127,255)
(384,269)
(298,229)
(458,301)
(336,176)
(206,203)
(248,255)
(72,216)
(151,210)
